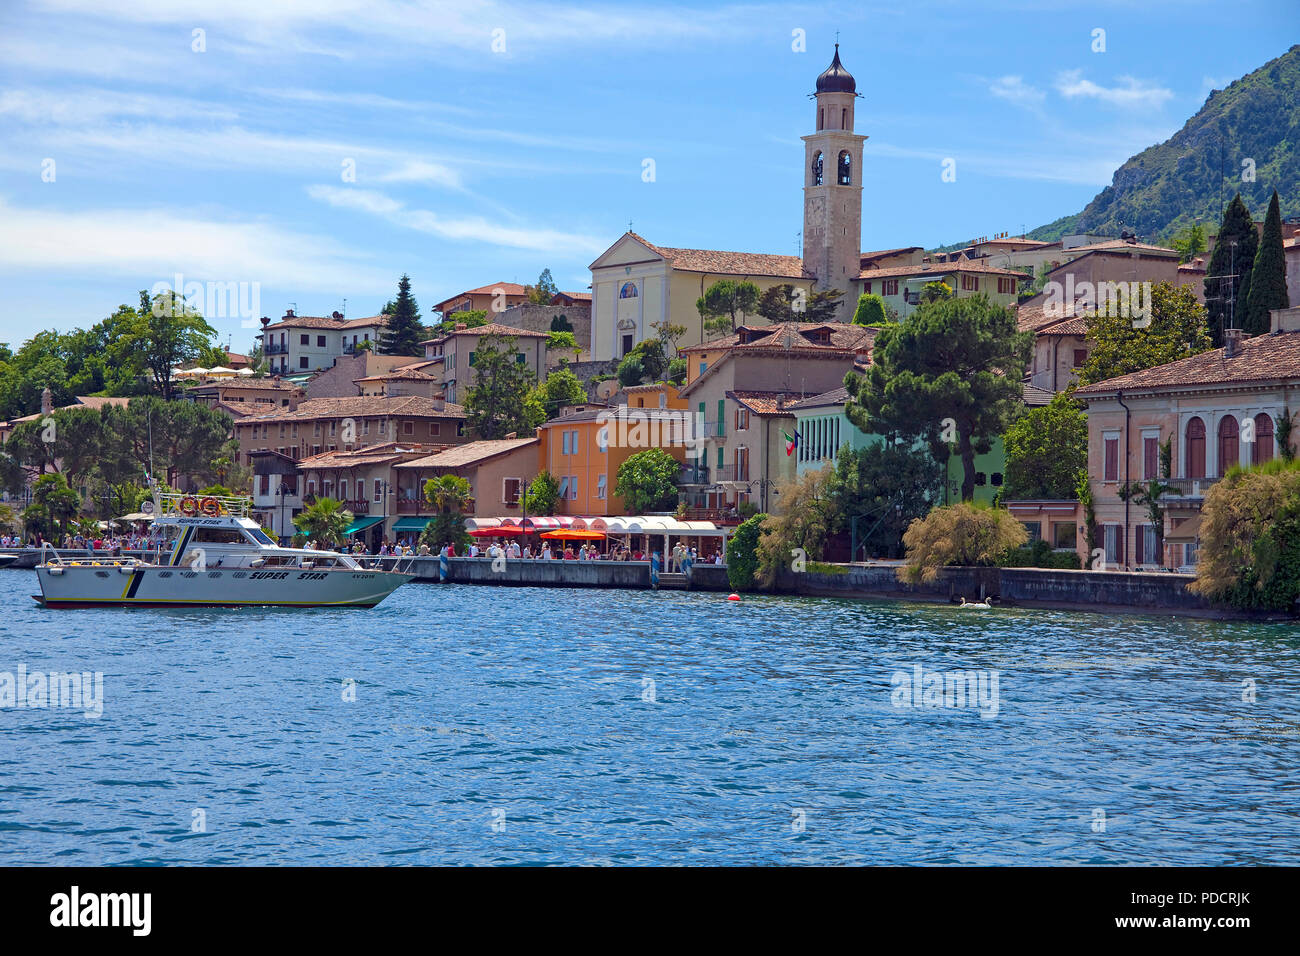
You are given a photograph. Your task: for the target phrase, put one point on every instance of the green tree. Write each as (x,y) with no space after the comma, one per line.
(785,303)
(1190,242)
(53,505)
(558,389)
(647,362)
(647,481)
(544,291)
(1234,254)
(724,303)
(935,291)
(470,318)
(447,494)
(1046,447)
(543,494)
(1176,330)
(444,529)
(870,310)
(563,342)
(799,528)
(325,521)
(1268,275)
(561,324)
(950,373)
(163,334)
(742,554)
(885,486)
(496,404)
(404,331)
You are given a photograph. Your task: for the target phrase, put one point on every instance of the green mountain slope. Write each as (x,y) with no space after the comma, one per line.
(1192,175)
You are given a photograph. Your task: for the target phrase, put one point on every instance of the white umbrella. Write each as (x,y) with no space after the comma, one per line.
(245,372)
(221,370)
(190,372)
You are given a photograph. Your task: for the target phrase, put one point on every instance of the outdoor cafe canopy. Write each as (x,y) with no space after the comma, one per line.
(575,534)
(495,531)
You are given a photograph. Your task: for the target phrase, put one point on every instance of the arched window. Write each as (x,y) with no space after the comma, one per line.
(817,175)
(628,291)
(844,119)
(1229,444)
(846,172)
(1195,448)
(1262,450)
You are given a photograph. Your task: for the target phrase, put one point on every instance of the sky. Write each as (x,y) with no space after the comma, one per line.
(306,153)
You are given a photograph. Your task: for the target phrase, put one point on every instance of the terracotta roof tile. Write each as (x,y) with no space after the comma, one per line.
(492,328)
(766,403)
(366,407)
(721,262)
(843,338)
(469,453)
(971,266)
(1263,358)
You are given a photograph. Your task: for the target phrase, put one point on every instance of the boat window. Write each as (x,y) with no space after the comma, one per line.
(219,536)
(258,535)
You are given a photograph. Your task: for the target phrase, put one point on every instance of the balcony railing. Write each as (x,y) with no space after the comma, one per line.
(693,475)
(275,348)
(732,473)
(1188,487)
(715,429)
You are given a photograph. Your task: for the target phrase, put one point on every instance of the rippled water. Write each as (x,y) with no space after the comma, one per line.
(498,725)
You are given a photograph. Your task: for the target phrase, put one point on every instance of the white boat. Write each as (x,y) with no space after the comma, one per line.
(217,557)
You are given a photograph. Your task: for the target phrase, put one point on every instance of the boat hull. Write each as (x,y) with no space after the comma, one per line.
(90,586)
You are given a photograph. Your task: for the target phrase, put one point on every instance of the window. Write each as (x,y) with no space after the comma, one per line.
(1229,444)
(564,444)
(379,490)
(302,361)
(663,399)
(845,177)
(1195,448)
(628,291)
(311,488)
(1034,529)
(818,162)
(510,491)
(573,487)
(1080,357)
(1146,547)
(408,427)
(1006,285)
(1113,543)
(1150,457)
(600,487)
(1064,535)
(564,486)
(742,418)
(343,490)
(304,340)
(866,287)
(889,287)
(742,464)
(1111,463)
(970,283)
(703,366)
(627,344)
(1262,450)
(435,429)
(320,341)
(266,485)
(844,118)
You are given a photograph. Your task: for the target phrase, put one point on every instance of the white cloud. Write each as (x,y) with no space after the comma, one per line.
(1129,92)
(1014,89)
(471,228)
(159,242)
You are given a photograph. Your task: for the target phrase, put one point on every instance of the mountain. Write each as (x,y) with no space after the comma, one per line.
(1194,174)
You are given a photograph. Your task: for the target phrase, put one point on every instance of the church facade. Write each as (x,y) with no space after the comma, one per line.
(636,284)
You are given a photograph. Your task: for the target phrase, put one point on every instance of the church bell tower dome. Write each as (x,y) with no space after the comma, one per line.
(836,79)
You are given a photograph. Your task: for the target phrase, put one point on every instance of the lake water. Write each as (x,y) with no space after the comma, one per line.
(499,725)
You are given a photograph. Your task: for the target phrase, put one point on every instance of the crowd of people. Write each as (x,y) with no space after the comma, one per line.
(108,542)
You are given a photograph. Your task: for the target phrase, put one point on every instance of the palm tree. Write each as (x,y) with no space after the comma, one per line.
(326,521)
(448,494)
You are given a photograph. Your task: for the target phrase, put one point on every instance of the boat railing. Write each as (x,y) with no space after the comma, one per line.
(239,506)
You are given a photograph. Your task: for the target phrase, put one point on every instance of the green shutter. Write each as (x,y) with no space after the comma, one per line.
(722,417)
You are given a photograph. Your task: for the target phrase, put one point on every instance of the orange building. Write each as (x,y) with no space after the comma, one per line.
(585,449)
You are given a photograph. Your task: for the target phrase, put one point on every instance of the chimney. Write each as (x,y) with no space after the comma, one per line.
(1285,320)
(288,313)
(338,315)
(461,326)
(439,403)
(47,401)
(1232,339)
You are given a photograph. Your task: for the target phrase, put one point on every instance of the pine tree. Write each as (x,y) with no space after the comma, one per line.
(1225,298)
(1268,276)
(404,332)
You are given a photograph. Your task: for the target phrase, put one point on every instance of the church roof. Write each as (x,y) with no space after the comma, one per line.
(836,79)
(720,262)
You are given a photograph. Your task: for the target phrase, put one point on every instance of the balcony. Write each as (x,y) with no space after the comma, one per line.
(732,473)
(350,348)
(275,348)
(715,429)
(690,474)
(1192,488)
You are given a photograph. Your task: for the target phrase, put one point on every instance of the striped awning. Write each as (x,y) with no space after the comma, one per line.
(474,524)
(547,523)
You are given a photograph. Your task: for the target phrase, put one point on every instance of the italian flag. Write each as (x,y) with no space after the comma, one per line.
(791,442)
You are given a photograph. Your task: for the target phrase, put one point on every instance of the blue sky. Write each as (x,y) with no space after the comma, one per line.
(475,165)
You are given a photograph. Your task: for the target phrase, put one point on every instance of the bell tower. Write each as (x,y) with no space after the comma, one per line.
(832,192)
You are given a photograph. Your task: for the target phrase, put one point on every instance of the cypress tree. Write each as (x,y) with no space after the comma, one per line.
(404,331)
(1237,225)
(1268,276)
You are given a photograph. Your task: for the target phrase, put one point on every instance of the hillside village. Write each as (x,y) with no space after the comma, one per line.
(1095,388)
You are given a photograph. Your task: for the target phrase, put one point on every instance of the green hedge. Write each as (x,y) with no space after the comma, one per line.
(1039,555)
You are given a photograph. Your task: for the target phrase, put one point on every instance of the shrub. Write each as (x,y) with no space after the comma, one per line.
(742,554)
(1039,555)
(1250,538)
(963,534)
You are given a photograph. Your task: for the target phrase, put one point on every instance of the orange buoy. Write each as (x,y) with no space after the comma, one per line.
(210,507)
(189,505)
(733,597)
